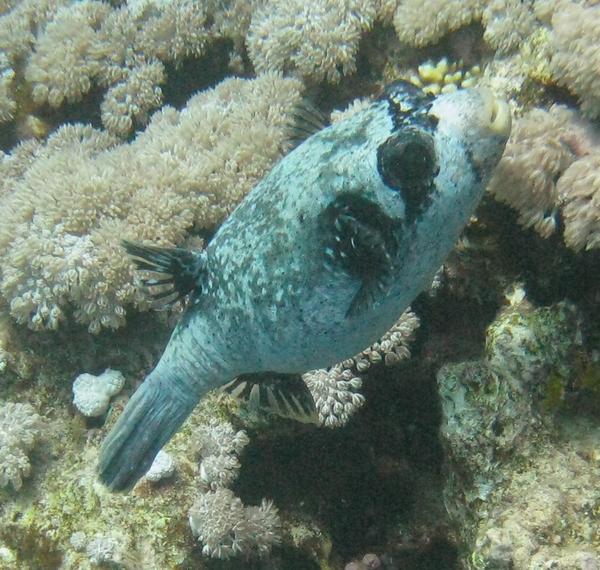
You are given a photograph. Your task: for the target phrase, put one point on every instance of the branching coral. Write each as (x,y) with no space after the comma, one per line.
(576,59)
(20,427)
(549,166)
(70,202)
(319,39)
(336,389)
(227,528)
(218,518)
(220,446)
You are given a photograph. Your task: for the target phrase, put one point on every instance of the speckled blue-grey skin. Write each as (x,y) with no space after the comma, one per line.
(281,288)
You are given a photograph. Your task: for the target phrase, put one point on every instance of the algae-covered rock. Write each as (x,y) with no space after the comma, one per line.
(521,493)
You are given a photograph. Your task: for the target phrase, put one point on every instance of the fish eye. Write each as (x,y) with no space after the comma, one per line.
(407,163)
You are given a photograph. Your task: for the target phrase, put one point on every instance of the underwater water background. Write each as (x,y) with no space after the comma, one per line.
(467,437)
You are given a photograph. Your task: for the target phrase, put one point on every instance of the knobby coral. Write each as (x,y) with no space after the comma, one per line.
(68,203)
(20,427)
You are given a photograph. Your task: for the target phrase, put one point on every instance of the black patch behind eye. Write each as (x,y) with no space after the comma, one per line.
(362,240)
(407,163)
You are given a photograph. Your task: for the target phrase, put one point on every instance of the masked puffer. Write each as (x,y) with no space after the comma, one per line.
(317,262)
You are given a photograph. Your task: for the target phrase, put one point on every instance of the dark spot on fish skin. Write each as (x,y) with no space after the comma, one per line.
(477,170)
(301,217)
(407,164)
(409,105)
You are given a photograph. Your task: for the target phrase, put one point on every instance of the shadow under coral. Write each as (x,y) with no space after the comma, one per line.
(374,485)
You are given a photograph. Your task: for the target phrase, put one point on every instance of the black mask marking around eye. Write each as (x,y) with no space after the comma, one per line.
(407,163)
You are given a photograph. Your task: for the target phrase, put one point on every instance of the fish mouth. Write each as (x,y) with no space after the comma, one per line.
(497,113)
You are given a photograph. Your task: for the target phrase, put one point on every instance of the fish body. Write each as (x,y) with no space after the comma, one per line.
(321,257)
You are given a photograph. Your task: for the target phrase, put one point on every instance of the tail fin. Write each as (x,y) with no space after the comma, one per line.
(152,415)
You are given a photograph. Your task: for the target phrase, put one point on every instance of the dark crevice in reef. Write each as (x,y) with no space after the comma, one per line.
(374,485)
(194,74)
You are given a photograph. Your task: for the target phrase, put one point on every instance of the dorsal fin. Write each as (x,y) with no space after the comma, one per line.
(180,270)
(305,121)
(285,395)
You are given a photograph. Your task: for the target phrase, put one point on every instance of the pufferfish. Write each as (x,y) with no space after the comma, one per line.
(317,262)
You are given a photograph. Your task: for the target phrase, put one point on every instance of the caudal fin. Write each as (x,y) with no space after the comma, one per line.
(151,417)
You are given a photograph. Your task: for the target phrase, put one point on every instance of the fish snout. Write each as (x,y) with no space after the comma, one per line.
(495,113)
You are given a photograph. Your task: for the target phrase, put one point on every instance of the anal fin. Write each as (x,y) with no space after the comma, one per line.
(285,395)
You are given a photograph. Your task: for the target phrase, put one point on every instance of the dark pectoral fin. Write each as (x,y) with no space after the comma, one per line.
(362,240)
(285,395)
(179,270)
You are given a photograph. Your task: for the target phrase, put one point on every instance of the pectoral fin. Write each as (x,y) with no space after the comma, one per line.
(179,269)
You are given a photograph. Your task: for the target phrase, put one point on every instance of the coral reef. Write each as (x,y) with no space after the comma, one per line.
(507,23)
(318,39)
(219,519)
(187,170)
(443,76)
(20,428)
(227,528)
(421,23)
(103,138)
(219,445)
(123,50)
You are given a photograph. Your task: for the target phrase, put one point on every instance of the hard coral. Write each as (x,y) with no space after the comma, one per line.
(61,247)
(20,427)
(91,394)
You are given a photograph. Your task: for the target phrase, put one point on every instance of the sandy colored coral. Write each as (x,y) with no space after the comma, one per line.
(20,427)
(507,23)
(550,167)
(60,70)
(318,39)
(227,528)
(122,49)
(423,22)
(575,63)
(73,200)
(336,390)
(579,188)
